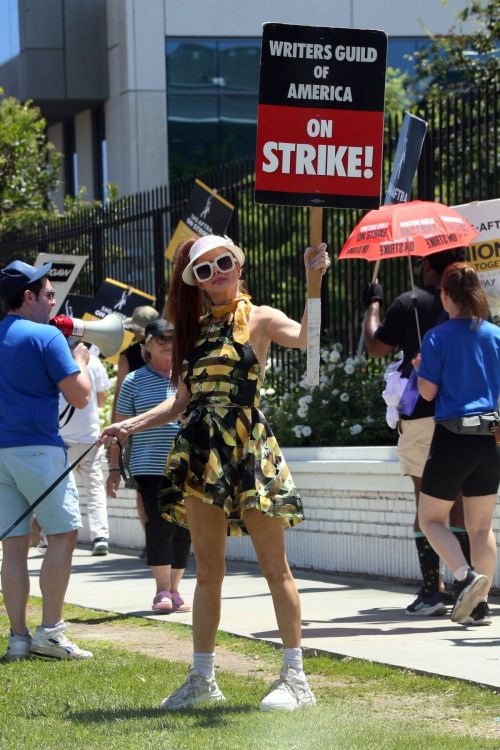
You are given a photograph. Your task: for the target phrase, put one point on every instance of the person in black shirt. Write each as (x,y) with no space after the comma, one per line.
(399,330)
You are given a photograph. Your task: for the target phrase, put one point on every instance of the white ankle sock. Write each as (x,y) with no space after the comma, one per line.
(292,657)
(461,573)
(204,664)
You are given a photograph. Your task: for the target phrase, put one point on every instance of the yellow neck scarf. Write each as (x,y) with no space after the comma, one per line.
(240,307)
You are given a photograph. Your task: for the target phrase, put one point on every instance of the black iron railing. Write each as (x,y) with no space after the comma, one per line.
(126,240)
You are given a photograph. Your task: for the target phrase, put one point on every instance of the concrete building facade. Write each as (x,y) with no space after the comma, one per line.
(129,85)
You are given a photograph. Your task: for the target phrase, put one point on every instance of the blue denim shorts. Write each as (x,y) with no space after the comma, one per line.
(25,473)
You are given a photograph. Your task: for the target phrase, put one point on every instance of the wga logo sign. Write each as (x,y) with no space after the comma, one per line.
(61,271)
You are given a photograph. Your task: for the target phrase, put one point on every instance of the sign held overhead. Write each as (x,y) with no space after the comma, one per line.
(321,116)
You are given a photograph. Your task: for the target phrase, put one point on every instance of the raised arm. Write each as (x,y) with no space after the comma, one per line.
(277,326)
(372,300)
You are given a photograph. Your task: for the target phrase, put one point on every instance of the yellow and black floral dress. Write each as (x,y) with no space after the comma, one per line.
(225,452)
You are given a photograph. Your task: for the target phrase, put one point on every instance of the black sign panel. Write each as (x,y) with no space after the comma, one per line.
(300,58)
(206,213)
(76,305)
(410,141)
(321,116)
(113,296)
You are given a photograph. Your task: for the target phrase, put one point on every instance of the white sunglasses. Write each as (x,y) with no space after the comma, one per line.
(223,263)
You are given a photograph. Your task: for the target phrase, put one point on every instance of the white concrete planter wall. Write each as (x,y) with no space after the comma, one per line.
(359,515)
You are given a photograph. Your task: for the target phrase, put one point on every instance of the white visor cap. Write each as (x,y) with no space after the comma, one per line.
(202,246)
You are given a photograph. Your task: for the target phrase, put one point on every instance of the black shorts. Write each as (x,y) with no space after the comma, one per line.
(469,464)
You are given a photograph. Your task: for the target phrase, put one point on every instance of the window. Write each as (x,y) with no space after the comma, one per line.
(70,159)
(399,47)
(212,97)
(99,153)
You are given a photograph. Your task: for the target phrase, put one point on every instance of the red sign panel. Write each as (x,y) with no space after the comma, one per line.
(321,116)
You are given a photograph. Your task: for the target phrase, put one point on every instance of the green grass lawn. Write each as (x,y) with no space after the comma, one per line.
(111,702)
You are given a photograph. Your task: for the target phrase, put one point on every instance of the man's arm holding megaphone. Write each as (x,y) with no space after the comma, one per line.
(77,388)
(168,411)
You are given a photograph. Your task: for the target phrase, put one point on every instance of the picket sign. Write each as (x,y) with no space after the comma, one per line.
(206,212)
(484,253)
(320,130)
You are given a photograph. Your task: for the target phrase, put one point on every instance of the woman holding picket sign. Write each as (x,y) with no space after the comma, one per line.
(460,367)
(225,472)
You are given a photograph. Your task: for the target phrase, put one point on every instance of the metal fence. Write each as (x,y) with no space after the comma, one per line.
(126,240)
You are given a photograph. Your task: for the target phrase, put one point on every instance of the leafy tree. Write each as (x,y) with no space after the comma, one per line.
(28,166)
(460,59)
(397,97)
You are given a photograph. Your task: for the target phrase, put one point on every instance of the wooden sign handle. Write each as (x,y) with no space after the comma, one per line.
(314,301)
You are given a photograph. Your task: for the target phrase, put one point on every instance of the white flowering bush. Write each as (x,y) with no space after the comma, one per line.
(345,409)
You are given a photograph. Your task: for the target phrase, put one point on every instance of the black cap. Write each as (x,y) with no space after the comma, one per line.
(441,260)
(160,327)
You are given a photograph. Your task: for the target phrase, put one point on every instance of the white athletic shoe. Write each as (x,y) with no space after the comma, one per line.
(469,593)
(288,693)
(197,689)
(53,642)
(18,648)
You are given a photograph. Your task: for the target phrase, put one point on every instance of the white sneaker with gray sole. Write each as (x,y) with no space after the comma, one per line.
(18,647)
(54,642)
(197,689)
(288,693)
(469,592)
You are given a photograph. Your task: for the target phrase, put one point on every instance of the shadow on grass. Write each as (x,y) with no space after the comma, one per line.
(145,615)
(206,716)
(109,618)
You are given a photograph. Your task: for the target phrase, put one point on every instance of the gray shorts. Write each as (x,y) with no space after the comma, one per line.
(25,472)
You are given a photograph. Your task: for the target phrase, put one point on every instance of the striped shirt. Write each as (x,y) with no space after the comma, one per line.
(140,391)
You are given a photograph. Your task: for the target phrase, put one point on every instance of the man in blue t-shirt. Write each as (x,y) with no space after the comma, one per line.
(35,366)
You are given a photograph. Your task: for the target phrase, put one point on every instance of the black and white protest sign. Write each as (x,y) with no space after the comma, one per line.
(76,305)
(321,116)
(114,296)
(62,275)
(410,142)
(206,212)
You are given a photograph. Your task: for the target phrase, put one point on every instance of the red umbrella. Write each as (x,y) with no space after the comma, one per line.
(397,230)
(407,229)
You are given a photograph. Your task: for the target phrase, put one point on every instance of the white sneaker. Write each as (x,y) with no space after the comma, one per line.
(100,547)
(197,689)
(288,693)
(18,648)
(53,642)
(469,593)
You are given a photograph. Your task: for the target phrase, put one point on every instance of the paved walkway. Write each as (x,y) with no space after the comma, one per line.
(347,617)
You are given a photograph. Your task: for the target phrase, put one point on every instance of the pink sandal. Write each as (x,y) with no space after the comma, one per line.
(178,604)
(162,602)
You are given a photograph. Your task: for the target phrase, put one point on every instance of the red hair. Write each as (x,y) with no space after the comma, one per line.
(185,306)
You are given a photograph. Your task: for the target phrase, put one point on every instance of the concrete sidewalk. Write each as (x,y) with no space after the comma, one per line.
(342,616)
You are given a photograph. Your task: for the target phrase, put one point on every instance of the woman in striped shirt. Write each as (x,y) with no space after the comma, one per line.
(167,545)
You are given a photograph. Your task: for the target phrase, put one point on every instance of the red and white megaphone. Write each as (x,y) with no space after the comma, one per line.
(107,334)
